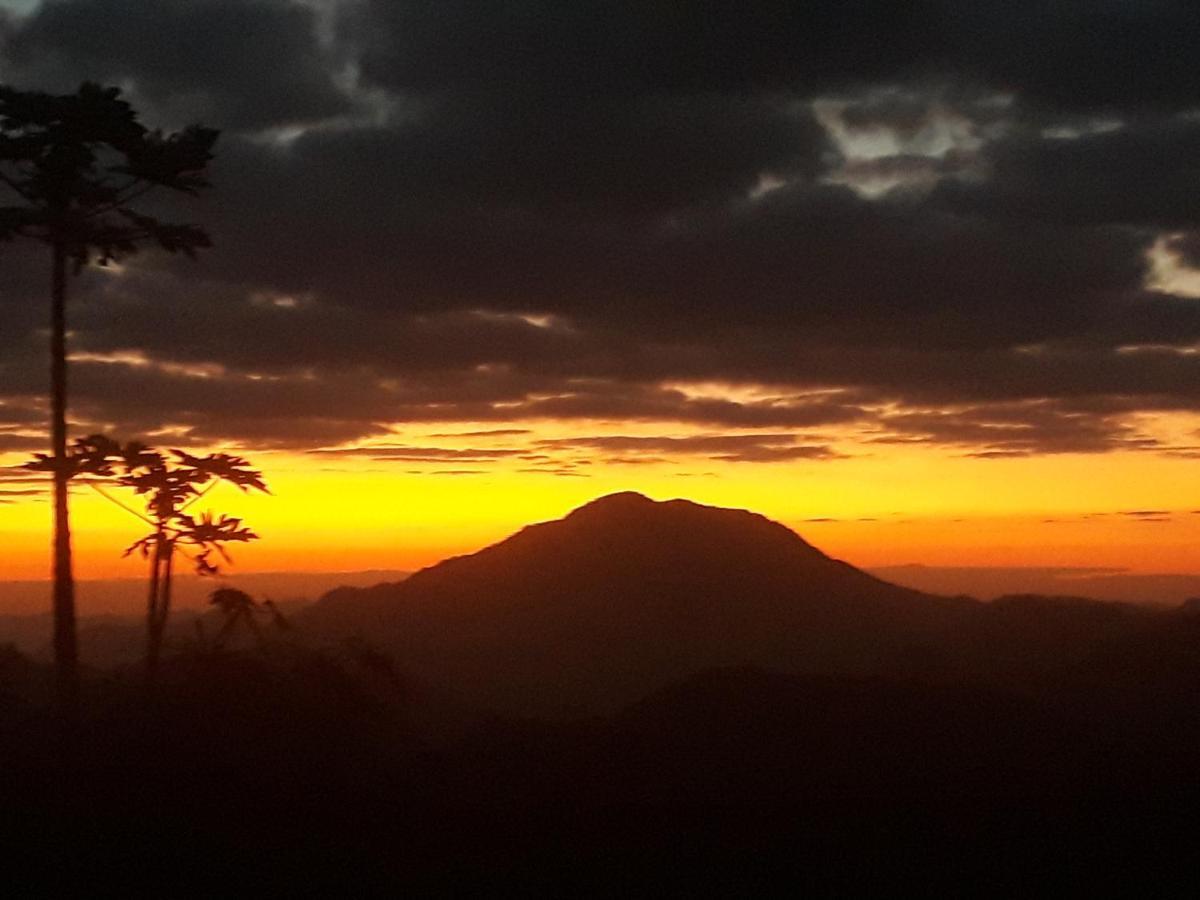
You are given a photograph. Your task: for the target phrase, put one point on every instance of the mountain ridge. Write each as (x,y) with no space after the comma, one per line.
(625,593)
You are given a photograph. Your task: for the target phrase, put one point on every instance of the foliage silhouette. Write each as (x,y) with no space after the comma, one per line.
(76,162)
(169,487)
(238,607)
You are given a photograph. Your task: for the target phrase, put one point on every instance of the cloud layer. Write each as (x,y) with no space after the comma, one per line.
(968,225)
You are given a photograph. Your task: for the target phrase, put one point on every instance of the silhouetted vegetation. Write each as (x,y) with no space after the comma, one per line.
(239,608)
(77,163)
(169,487)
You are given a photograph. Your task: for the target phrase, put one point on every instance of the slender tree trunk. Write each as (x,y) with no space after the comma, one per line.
(158,615)
(165,608)
(66,649)
(152,609)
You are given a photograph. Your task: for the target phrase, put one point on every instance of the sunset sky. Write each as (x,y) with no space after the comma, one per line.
(920,280)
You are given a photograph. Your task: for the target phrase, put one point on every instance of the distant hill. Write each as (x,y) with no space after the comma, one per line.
(126,596)
(626,593)
(110,628)
(987,582)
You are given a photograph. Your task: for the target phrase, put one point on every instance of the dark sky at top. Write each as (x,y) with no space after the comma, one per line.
(472,211)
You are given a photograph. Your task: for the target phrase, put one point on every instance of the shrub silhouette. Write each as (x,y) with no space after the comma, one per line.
(238,607)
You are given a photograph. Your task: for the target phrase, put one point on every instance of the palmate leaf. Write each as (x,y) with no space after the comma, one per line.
(135,455)
(95,455)
(208,529)
(185,239)
(142,546)
(223,466)
(205,567)
(109,239)
(176,161)
(167,486)
(78,160)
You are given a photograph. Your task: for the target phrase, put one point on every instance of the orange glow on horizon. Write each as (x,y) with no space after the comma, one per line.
(881,505)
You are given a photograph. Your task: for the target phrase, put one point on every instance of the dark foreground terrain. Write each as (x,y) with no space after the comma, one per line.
(639,698)
(288,769)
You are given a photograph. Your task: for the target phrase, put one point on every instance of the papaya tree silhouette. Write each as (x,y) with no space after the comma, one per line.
(76,162)
(170,488)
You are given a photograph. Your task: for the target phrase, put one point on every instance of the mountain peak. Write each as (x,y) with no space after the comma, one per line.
(620,502)
(620,498)
(629,512)
(632,503)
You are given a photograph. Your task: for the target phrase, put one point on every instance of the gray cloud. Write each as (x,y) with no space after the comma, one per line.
(1004,430)
(566,212)
(725,447)
(233,63)
(388,453)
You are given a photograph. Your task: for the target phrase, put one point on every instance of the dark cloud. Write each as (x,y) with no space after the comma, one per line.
(780,454)
(708,443)
(17,475)
(386,453)
(1016,429)
(634,212)
(1076,55)
(1089,55)
(543,48)
(494,432)
(724,447)
(21,443)
(817,259)
(232,63)
(11,414)
(1141,173)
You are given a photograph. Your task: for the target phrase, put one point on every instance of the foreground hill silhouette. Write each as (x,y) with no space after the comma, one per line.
(626,593)
(295,772)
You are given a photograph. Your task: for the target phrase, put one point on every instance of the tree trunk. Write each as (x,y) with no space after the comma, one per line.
(165,607)
(152,610)
(158,615)
(66,649)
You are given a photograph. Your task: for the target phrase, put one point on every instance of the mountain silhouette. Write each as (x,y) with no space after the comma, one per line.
(626,593)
